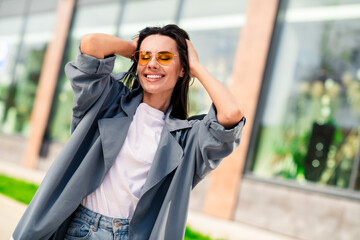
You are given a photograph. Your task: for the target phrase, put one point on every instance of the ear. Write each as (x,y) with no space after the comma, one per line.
(182,72)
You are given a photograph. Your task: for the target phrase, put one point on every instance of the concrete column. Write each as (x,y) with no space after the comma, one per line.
(47,82)
(249,66)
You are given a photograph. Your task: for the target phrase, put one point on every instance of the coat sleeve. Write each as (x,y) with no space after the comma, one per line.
(89,78)
(214,143)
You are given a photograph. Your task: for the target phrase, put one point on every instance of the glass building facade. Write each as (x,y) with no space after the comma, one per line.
(26,27)
(306,128)
(308,119)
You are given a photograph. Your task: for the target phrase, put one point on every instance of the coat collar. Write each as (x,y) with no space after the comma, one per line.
(130,103)
(174,124)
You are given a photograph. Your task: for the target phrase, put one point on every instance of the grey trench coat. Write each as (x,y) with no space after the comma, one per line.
(102,112)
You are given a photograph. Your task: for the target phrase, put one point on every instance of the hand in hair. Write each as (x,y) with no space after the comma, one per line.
(193,58)
(229,112)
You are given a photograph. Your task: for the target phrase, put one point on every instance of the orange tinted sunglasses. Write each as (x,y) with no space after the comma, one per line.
(144,57)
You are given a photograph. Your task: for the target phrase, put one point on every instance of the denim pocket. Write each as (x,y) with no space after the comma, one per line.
(78,229)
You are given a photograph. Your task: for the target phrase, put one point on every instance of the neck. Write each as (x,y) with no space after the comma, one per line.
(156,102)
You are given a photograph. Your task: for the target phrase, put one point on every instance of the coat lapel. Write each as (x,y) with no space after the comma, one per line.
(113,130)
(168,154)
(113,133)
(167,157)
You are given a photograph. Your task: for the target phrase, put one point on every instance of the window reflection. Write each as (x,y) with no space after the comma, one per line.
(89,18)
(23,44)
(216,51)
(143,13)
(214,32)
(309,129)
(9,40)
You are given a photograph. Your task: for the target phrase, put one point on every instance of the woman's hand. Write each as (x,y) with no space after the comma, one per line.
(133,45)
(193,58)
(228,110)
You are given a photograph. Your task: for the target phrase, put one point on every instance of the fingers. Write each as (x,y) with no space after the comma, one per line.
(135,42)
(191,50)
(193,58)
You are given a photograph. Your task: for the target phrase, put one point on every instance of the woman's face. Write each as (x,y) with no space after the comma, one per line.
(159,80)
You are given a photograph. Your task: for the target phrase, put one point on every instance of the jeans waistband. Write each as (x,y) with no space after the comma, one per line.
(98,220)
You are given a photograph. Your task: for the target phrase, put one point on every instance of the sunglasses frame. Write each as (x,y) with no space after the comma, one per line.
(152,55)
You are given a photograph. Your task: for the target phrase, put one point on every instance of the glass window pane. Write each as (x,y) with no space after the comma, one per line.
(9,42)
(139,14)
(309,126)
(95,18)
(24,55)
(42,5)
(318,3)
(216,50)
(11,7)
(18,7)
(215,34)
(89,18)
(231,14)
(207,8)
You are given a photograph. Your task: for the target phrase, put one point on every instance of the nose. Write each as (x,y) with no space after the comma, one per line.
(153,64)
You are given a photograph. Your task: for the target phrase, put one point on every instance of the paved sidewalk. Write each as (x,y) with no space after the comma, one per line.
(229,230)
(17,171)
(11,211)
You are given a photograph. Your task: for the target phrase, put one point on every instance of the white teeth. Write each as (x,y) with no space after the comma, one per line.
(154,76)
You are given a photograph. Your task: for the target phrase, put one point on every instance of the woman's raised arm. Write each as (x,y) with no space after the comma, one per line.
(229,112)
(100,45)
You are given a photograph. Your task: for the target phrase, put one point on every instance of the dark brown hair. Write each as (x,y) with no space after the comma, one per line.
(179,98)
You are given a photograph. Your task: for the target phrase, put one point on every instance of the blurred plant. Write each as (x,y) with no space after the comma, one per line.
(340,160)
(329,96)
(318,101)
(17,189)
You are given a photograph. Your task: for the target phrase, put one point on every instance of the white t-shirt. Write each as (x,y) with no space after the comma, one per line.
(121,189)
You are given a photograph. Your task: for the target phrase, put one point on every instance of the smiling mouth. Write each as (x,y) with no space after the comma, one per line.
(153,76)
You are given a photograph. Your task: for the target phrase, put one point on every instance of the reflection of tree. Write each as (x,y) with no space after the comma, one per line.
(290,153)
(340,160)
(26,89)
(331,96)
(20,102)
(60,117)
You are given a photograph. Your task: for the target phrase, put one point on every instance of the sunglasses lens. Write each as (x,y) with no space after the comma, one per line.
(144,57)
(164,58)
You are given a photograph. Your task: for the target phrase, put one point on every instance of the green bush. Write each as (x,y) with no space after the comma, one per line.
(192,235)
(17,189)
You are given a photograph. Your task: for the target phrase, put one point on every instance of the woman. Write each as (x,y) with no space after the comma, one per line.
(133,156)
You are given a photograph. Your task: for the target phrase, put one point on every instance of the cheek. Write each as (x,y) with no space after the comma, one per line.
(139,68)
(177,70)
(176,80)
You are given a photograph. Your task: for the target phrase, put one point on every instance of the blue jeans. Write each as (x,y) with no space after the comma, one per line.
(86,224)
